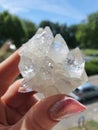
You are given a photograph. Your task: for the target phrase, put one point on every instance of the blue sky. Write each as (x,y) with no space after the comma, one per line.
(62,11)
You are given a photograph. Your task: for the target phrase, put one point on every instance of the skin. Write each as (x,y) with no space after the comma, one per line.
(22,111)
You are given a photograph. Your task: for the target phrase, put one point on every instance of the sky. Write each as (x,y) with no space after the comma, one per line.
(61,11)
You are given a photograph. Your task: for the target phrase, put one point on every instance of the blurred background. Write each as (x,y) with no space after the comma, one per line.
(75,20)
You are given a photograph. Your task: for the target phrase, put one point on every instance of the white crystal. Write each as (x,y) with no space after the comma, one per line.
(74,64)
(58,49)
(27,67)
(48,66)
(47,69)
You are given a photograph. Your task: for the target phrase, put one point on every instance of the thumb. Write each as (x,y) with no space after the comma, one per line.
(48,112)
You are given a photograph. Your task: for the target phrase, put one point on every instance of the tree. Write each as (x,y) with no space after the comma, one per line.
(2,27)
(87,33)
(11,27)
(93,25)
(72,38)
(81,35)
(67,33)
(63,30)
(45,23)
(30,28)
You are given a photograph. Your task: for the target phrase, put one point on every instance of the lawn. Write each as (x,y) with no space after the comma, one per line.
(90,52)
(90,125)
(92,65)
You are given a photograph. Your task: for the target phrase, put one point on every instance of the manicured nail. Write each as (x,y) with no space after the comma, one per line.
(65,107)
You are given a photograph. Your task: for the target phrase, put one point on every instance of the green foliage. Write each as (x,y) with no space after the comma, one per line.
(30,28)
(90,52)
(55,27)
(80,34)
(2,27)
(68,33)
(11,27)
(87,33)
(92,67)
(72,42)
(90,125)
(83,35)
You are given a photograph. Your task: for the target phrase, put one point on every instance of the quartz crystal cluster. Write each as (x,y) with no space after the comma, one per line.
(48,66)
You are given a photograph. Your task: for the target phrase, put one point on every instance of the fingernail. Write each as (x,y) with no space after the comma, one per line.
(24,90)
(65,107)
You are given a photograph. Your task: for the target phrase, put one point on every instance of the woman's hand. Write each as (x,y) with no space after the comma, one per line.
(25,111)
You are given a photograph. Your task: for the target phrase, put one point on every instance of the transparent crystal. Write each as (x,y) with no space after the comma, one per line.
(58,49)
(47,69)
(27,67)
(48,66)
(74,64)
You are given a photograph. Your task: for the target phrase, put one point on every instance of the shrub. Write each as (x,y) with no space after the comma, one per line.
(92,67)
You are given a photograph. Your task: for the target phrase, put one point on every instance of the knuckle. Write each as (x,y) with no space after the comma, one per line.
(37,125)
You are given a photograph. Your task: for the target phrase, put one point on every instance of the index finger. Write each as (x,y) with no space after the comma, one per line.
(9,70)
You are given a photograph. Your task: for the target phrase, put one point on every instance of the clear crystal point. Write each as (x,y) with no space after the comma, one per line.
(48,66)
(74,64)
(58,49)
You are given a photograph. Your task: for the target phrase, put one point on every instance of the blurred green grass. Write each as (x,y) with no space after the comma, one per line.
(90,52)
(92,67)
(90,125)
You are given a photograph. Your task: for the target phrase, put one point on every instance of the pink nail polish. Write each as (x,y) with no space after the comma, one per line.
(65,107)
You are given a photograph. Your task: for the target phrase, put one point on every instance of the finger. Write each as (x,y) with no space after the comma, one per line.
(17,100)
(9,70)
(48,112)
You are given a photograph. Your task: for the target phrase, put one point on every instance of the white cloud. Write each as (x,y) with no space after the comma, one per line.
(12,6)
(63,9)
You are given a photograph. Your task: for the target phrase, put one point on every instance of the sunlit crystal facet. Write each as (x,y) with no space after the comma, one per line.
(47,69)
(27,67)
(48,66)
(74,64)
